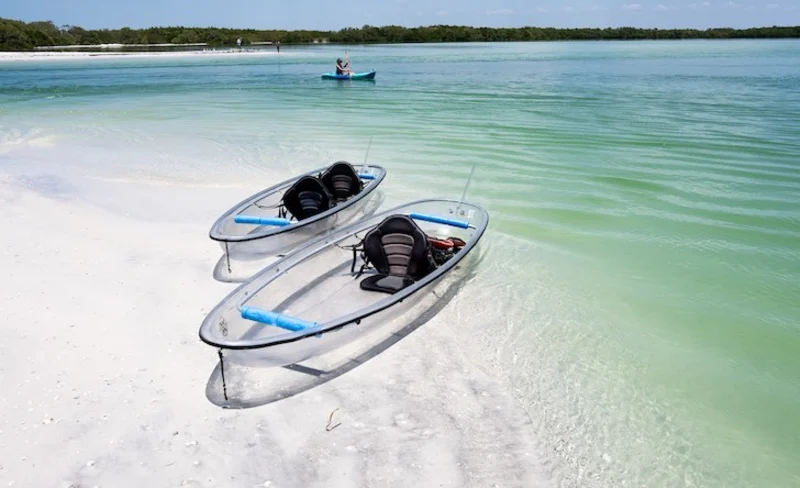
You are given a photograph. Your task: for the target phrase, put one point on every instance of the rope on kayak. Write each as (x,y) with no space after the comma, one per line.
(227,257)
(222,371)
(281,208)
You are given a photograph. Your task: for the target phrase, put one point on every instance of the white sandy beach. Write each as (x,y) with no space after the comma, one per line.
(67,55)
(104,377)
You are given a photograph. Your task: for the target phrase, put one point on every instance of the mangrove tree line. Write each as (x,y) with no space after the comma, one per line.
(20,36)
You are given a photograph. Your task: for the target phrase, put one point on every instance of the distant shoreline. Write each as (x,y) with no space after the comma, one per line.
(127,46)
(109,48)
(105,52)
(21,36)
(118,46)
(87,52)
(67,55)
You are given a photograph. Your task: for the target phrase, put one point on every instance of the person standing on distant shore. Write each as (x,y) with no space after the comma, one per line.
(278,46)
(239,43)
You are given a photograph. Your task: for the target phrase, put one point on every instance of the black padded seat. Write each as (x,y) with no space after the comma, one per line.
(399,251)
(342,181)
(307,197)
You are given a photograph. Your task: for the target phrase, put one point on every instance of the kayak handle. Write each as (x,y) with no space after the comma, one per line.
(440,220)
(248,219)
(278,320)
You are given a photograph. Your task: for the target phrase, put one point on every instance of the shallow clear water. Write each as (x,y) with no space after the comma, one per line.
(642,287)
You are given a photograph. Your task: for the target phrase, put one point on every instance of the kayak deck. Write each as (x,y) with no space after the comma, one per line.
(319,290)
(321,295)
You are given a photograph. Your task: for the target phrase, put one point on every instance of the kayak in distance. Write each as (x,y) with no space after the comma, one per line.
(369,75)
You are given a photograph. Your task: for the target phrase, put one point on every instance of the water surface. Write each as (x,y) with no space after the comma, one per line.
(641,292)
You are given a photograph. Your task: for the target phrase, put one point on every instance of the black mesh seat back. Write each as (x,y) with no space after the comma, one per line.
(342,181)
(398,247)
(306,198)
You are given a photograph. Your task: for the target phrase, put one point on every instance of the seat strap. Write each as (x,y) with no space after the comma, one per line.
(365,266)
(431,262)
(355,255)
(356,249)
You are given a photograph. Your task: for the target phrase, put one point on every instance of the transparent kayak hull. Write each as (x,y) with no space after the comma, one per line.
(248,247)
(311,302)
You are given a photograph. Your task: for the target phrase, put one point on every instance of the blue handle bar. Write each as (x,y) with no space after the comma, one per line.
(439,220)
(247,219)
(276,319)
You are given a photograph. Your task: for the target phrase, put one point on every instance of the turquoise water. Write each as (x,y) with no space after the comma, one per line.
(641,291)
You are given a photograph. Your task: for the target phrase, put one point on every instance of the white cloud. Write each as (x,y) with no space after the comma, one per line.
(572,10)
(442,13)
(664,8)
(773,6)
(732,4)
(632,6)
(500,11)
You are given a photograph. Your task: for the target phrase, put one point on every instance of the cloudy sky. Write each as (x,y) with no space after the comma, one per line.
(329,14)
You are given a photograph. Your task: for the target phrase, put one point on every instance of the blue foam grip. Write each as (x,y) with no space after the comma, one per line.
(366,176)
(247,219)
(276,319)
(439,220)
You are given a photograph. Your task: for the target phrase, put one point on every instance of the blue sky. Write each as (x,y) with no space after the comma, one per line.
(331,15)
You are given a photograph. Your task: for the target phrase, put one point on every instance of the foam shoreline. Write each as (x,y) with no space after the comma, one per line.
(109,376)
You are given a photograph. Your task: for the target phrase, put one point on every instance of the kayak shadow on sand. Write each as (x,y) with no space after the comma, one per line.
(248,387)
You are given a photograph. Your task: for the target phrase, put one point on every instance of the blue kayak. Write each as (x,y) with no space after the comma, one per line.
(369,75)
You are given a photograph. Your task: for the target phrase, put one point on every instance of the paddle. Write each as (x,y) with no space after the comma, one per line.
(364,167)
(464,193)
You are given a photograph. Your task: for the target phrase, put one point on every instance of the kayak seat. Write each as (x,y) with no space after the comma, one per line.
(307,197)
(342,181)
(400,253)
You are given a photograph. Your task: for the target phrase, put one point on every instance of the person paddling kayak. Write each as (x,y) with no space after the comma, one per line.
(342,68)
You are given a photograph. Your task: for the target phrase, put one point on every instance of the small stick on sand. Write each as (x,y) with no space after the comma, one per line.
(330,418)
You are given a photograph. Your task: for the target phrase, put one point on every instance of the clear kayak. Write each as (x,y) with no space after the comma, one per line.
(369,75)
(348,284)
(280,218)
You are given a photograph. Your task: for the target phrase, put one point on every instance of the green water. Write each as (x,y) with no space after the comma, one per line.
(641,289)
